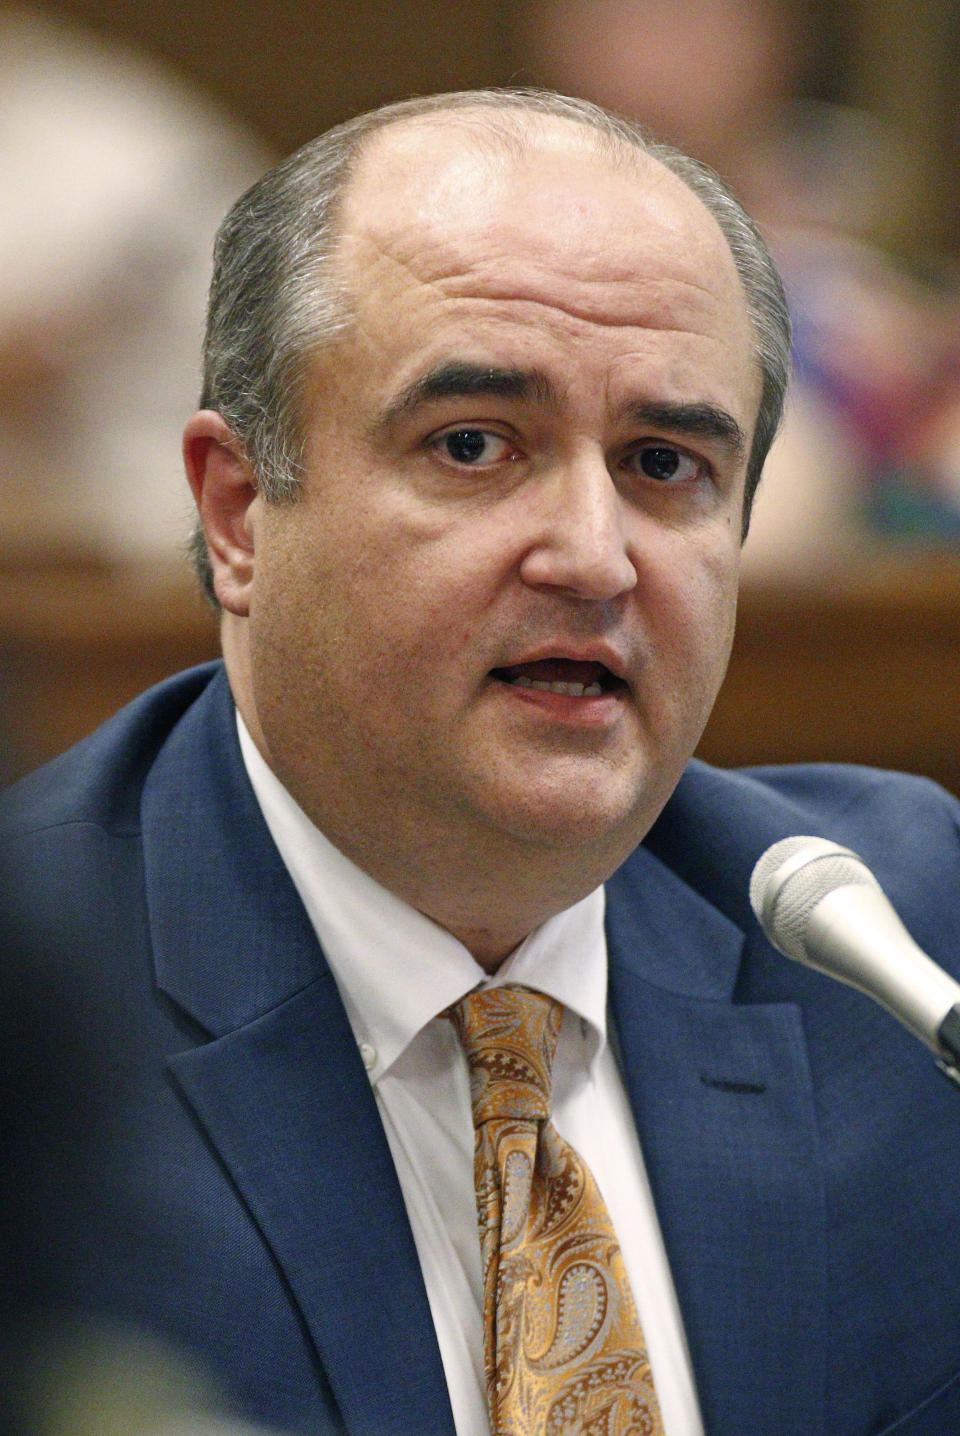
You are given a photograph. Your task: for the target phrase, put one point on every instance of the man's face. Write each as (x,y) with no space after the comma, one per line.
(497,619)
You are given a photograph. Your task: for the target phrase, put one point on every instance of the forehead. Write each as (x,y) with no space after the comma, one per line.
(448,219)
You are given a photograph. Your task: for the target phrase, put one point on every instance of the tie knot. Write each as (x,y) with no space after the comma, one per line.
(509,1035)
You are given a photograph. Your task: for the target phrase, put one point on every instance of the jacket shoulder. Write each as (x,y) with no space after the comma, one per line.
(720,821)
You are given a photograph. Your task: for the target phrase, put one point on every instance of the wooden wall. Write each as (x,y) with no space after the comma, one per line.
(291,68)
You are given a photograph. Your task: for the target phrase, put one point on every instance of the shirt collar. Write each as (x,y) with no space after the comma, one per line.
(397,969)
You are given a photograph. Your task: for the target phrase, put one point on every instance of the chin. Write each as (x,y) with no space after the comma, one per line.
(578,818)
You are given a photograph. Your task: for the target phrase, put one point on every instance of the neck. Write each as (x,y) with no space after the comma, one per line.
(490,902)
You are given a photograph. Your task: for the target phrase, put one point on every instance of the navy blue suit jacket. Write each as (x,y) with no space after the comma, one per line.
(802,1148)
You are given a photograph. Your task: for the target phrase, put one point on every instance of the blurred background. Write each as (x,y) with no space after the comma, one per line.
(125,132)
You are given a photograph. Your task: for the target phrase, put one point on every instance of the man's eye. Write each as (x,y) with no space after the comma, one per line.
(474,447)
(666,464)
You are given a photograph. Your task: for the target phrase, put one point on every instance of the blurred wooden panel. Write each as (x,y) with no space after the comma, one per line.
(77,641)
(863,670)
(291,68)
(905,57)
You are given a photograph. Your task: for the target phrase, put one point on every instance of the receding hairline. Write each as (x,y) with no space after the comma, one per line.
(506,125)
(505,120)
(511,128)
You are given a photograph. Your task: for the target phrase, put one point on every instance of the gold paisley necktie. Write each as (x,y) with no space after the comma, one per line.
(563,1349)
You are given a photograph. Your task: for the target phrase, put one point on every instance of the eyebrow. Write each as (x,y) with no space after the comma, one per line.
(701,420)
(461,379)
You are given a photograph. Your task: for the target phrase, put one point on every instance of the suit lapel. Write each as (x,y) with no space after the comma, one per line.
(287,1104)
(724,1110)
(281,1090)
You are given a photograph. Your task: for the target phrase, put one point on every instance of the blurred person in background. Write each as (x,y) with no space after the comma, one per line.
(871,442)
(115,174)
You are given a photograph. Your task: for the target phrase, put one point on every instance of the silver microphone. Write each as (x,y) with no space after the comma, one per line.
(820,904)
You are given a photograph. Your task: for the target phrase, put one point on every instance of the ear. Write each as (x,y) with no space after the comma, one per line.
(227,500)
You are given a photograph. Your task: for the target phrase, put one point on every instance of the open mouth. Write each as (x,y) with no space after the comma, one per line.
(572,677)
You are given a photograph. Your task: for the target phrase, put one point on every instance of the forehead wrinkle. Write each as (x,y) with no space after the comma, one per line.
(661,302)
(423,231)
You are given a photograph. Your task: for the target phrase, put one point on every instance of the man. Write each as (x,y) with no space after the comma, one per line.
(489,383)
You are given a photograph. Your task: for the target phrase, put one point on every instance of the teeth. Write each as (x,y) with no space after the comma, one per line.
(572,690)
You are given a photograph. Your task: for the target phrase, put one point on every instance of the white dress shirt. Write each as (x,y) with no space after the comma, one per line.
(396,970)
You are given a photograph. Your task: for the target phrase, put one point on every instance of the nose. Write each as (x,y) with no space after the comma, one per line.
(581,544)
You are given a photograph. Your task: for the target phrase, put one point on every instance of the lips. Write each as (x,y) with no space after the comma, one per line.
(577,678)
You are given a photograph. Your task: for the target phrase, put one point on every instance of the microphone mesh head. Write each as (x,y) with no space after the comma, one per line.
(791,878)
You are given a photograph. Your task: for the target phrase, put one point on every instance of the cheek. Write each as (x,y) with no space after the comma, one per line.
(716,604)
(698,600)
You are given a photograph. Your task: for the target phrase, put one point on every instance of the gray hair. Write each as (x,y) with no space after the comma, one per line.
(275,300)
